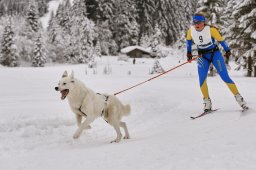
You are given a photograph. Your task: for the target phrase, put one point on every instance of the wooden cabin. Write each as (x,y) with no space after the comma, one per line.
(136,52)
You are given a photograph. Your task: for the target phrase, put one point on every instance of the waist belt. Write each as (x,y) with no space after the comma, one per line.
(207,51)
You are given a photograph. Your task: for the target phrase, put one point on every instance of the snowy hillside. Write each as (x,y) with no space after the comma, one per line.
(52,7)
(36,127)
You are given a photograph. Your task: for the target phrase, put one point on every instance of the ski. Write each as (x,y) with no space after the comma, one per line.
(203,114)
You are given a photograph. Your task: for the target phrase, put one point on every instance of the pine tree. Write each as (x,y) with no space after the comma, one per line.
(39,58)
(134,32)
(9,56)
(146,10)
(213,9)
(243,30)
(157,68)
(154,43)
(86,42)
(52,29)
(104,37)
(42,7)
(171,18)
(125,12)
(66,23)
(82,32)
(98,49)
(2,10)
(33,16)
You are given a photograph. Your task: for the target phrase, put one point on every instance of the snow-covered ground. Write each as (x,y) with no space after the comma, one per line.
(36,127)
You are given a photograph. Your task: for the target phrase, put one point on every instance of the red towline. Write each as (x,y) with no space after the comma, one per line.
(156,76)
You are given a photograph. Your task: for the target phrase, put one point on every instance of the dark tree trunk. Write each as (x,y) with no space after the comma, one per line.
(255,71)
(249,72)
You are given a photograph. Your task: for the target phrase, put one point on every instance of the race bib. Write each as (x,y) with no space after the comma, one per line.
(202,38)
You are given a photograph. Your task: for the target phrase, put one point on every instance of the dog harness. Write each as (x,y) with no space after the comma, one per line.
(103,111)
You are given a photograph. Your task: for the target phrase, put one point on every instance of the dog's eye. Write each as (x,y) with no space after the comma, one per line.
(64,84)
(72,81)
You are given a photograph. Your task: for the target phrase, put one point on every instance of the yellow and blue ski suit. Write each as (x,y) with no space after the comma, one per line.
(209,53)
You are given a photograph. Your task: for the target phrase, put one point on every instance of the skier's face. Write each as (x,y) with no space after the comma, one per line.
(199,26)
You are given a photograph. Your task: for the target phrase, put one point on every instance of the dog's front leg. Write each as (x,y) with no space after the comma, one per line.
(78,120)
(79,117)
(83,126)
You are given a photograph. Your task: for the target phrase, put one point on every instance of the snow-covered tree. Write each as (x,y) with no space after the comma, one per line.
(125,12)
(170,17)
(134,32)
(98,49)
(104,37)
(53,30)
(157,68)
(82,32)
(33,16)
(58,41)
(2,9)
(86,41)
(39,57)
(18,7)
(242,33)
(213,9)
(42,7)
(9,56)
(146,9)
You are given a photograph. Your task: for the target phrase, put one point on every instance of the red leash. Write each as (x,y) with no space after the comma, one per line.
(156,76)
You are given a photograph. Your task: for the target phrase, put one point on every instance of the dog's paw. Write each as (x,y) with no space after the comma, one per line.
(127,137)
(116,140)
(77,134)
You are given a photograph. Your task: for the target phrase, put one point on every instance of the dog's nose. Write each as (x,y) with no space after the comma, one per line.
(56,88)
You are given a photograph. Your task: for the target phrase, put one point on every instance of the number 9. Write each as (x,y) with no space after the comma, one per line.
(201,38)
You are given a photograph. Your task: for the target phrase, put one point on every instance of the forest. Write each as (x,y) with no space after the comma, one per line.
(81,29)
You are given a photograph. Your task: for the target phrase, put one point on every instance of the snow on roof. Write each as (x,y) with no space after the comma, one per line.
(131,48)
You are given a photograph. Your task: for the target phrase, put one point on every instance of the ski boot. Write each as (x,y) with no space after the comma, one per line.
(241,102)
(207,105)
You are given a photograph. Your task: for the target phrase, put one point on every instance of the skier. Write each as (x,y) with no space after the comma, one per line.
(205,37)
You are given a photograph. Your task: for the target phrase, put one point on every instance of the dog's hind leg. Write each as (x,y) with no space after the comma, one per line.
(116,126)
(123,125)
(83,126)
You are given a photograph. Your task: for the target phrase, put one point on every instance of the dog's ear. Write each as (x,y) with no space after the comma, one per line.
(72,75)
(65,74)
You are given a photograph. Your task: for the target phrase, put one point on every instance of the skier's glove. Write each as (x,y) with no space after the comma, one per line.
(189,56)
(227,54)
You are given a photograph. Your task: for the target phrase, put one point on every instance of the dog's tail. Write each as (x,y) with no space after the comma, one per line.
(127,110)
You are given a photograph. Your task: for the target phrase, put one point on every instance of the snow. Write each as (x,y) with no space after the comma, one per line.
(36,127)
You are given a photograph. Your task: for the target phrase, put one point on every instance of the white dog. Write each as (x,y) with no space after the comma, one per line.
(86,103)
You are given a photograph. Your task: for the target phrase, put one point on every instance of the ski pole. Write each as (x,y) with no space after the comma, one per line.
(189,61)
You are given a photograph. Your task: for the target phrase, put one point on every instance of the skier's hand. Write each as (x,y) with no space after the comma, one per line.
(227,54)
(189,56)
